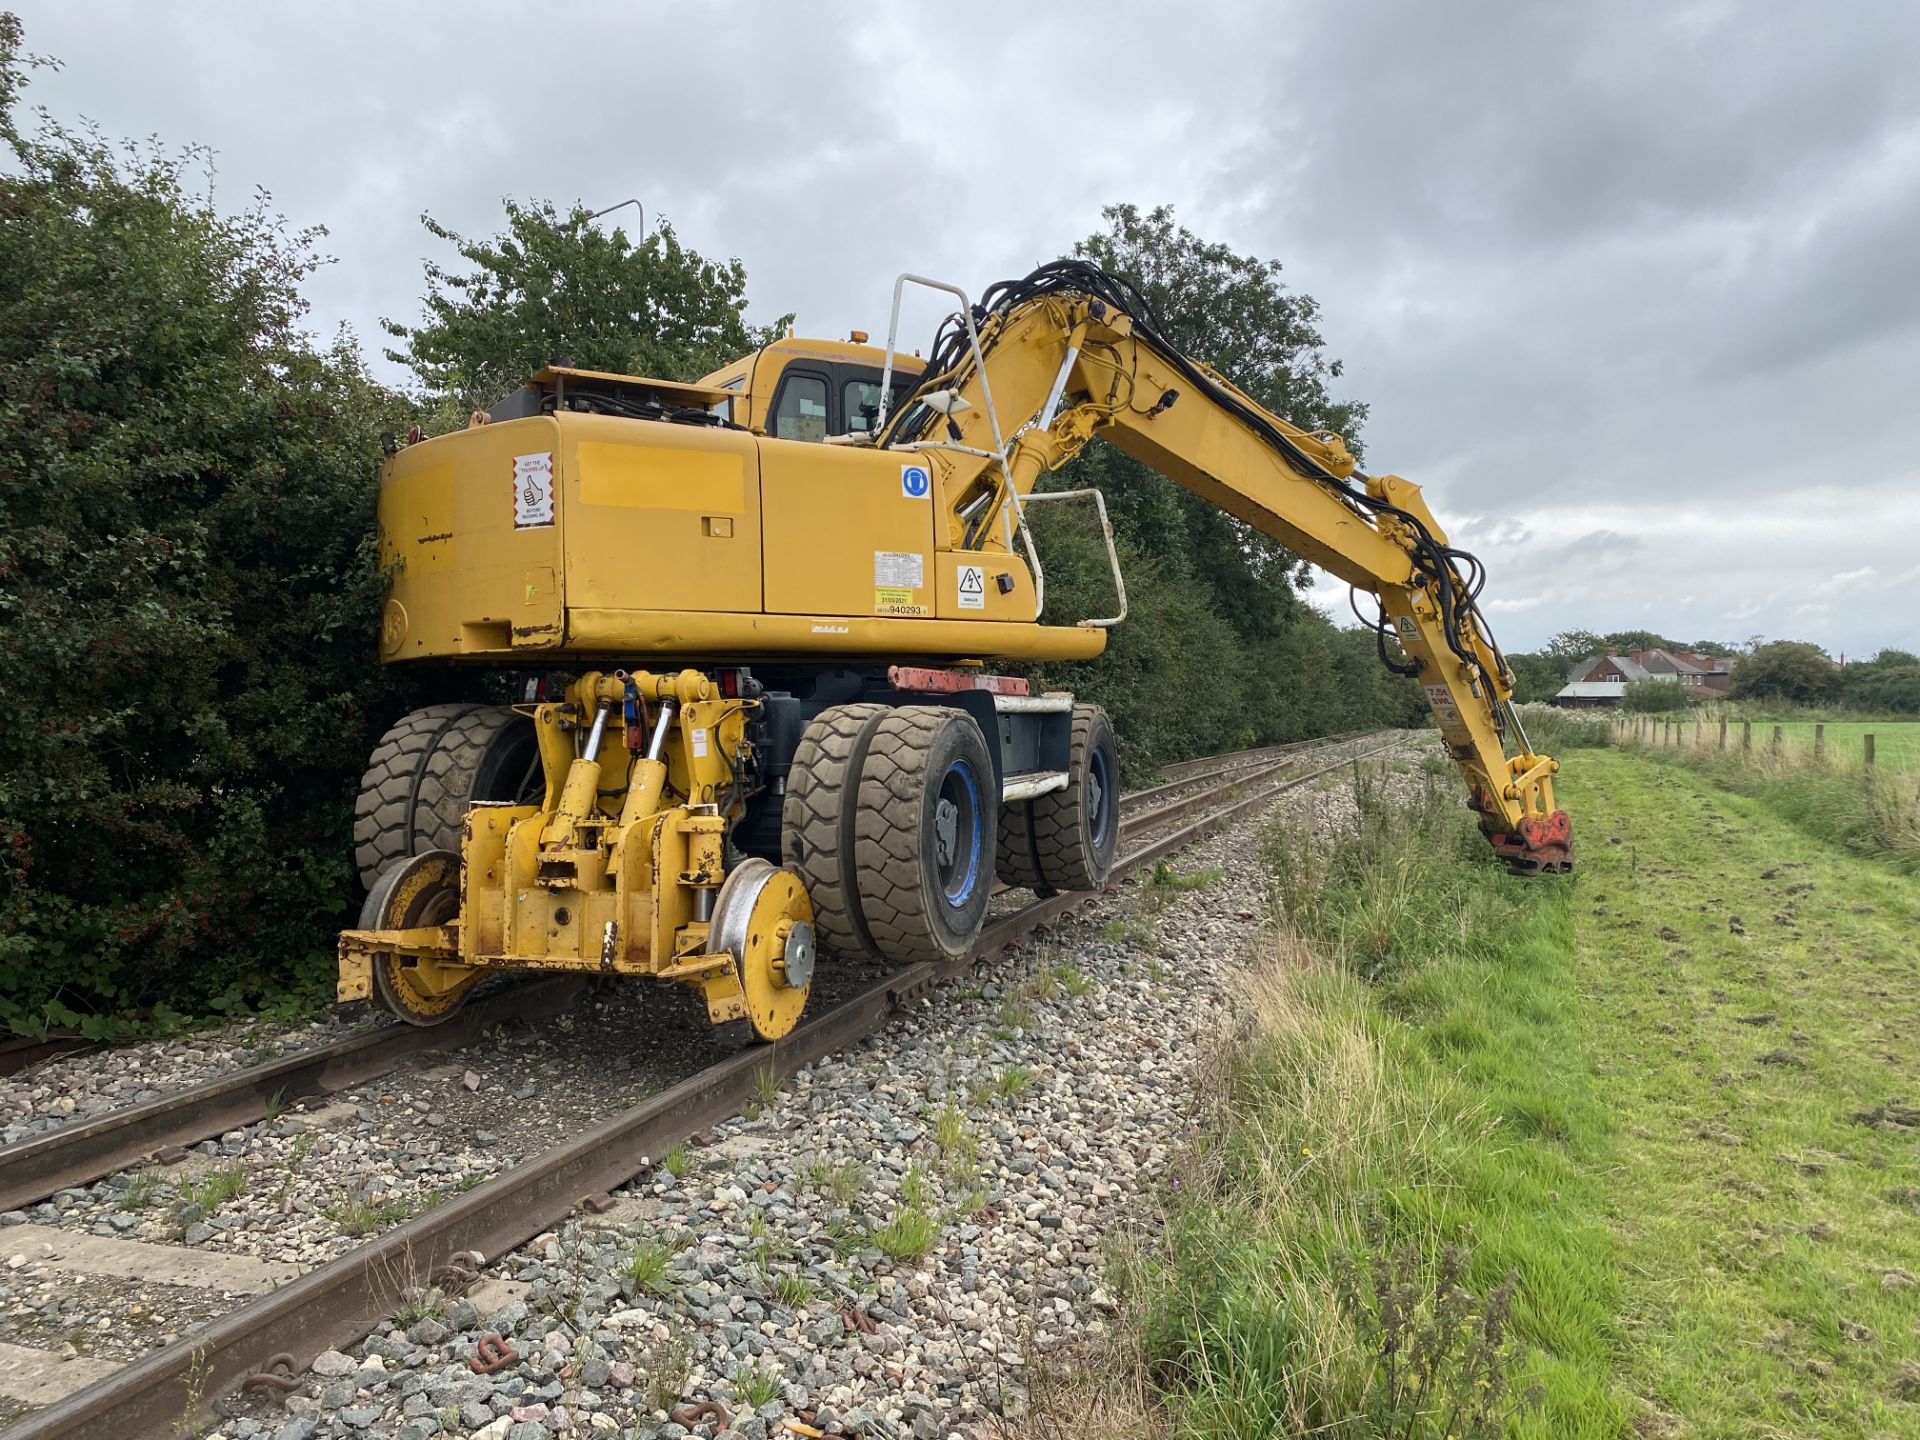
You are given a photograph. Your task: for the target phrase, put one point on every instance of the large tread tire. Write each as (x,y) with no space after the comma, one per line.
(1014,859)
(1075,848)
(909,914)
(426,771)
(817,823)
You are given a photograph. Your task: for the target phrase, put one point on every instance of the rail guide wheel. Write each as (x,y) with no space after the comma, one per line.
(763,917)
(418,891)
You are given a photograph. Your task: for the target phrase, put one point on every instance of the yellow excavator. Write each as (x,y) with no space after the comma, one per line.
(749,620)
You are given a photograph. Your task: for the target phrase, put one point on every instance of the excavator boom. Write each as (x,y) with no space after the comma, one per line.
(1071,353)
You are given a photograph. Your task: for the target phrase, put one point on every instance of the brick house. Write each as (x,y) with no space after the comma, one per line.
(1601,680)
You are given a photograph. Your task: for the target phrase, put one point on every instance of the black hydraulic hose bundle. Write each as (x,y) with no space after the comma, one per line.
(1435,564)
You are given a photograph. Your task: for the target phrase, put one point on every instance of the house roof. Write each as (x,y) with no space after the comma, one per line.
(1666,662)
(1628,667)
(1590,690)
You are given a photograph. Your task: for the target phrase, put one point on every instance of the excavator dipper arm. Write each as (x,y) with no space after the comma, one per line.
(1072,352)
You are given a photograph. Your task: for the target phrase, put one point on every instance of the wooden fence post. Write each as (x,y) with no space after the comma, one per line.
(1868,740)
(1746,734)
(1723,732)
(1777,737)
(1696,734)
(1819,742)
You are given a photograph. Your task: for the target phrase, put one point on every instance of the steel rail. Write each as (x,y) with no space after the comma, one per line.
(84,1151)
(1189,769)
(339,1302)
(74,1154)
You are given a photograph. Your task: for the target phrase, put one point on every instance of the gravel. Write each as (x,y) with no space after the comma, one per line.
(1005,1129)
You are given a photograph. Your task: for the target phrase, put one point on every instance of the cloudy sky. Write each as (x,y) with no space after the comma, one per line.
(1633,289)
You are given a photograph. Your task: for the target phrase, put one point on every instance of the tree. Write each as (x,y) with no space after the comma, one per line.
(188,586)
(1624,640)
(1536,676)
(1889,682)
(556,287)
(1790,670)
(1570,647)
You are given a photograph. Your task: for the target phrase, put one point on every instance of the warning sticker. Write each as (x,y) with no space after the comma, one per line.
(699,736)
(1441,699)
(973,587)
(915,482)
(533,490)
(898,569)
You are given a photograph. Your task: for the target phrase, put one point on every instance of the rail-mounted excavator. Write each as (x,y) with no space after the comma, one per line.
(751,620)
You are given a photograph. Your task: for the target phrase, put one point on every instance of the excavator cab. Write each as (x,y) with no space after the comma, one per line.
(813,390)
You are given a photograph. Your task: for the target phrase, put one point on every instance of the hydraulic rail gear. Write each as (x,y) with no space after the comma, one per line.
(818,546)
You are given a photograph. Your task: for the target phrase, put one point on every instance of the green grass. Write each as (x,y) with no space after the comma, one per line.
(756,1386)
(1751,995)
(1896,744)
(1408,1164)
(677,1162)
(1872,813)
(843,1182)
(908,1235)
(792,1290)
(647,1265)
(215,1188)
(1008,1083)
(357,1217)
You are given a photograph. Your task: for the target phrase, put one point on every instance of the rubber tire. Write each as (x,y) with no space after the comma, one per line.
(426,771)
(1070,855)
(817,823)
(1014,859)
(907,914)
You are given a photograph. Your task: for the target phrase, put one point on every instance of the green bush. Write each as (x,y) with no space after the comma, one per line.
(188,588)
(1656,697)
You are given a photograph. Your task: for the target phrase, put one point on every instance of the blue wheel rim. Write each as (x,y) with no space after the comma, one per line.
(959,834)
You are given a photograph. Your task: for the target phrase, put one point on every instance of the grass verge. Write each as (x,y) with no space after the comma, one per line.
(1389,1226)
(1871,813)
(1750,994)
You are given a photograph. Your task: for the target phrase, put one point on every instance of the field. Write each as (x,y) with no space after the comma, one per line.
(1896,744)
(1673,1103)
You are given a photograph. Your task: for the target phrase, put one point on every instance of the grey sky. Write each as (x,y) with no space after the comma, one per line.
(1631,288)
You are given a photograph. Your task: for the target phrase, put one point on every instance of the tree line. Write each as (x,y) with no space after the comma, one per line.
(189,584)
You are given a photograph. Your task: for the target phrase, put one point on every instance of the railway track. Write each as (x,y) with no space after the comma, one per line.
(335,1304)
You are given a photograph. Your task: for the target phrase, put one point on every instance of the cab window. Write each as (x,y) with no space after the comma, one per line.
(862,401)
(800,412)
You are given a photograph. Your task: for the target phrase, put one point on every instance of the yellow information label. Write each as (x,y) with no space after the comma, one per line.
(895,600)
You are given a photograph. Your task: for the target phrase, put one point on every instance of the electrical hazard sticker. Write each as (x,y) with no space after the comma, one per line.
(972,581)
(916,483)
(533,490)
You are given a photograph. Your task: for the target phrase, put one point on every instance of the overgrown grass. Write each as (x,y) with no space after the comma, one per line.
(1554,730)
(1398,1174)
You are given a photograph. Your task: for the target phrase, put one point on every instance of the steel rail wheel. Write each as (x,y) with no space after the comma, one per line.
(418,891)
(763,917)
